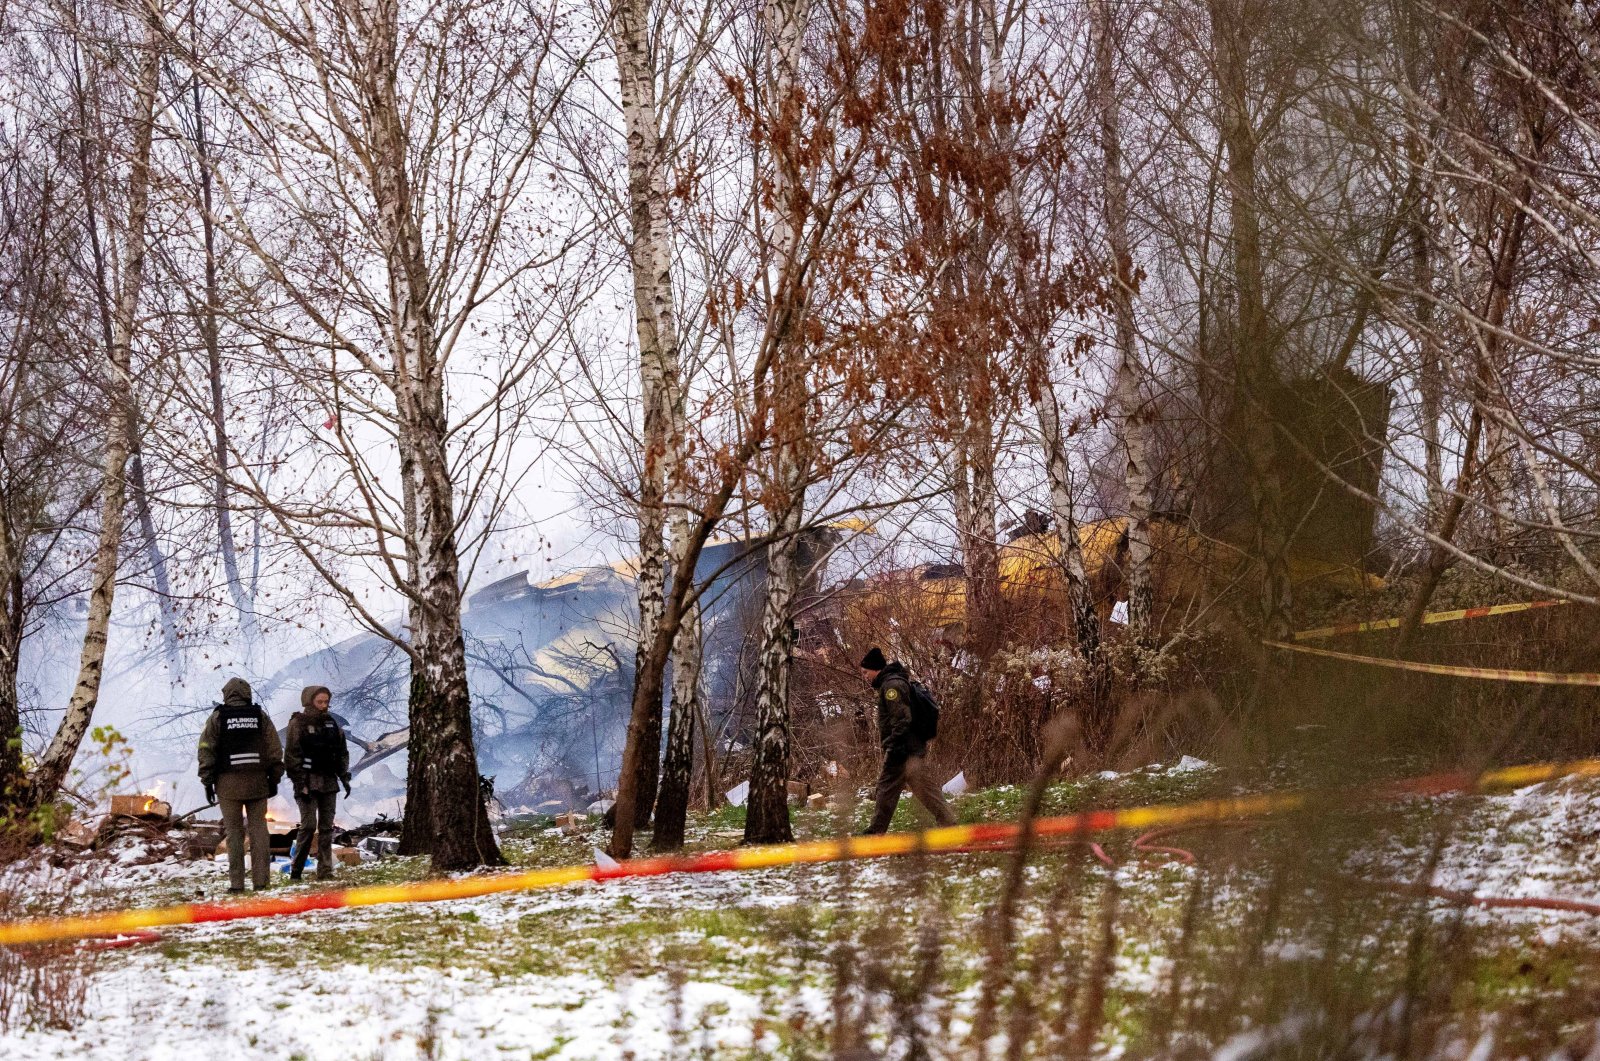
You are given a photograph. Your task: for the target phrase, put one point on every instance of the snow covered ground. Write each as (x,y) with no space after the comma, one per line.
(151,1008)
(229,1003)
(720,965)
(1540,842)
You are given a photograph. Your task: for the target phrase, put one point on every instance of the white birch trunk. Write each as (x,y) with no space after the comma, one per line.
(767,806)
(1080,600)
(655,320)
(1126,389)
(57,759)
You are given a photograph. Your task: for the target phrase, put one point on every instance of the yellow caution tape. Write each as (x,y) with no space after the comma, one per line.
(1455,615)
(953,838)
(1499,674)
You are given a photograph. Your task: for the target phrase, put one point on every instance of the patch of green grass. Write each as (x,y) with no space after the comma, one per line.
(723,818)
(1521,971)
(525,826)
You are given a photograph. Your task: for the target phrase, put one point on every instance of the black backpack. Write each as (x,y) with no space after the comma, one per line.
(924,712)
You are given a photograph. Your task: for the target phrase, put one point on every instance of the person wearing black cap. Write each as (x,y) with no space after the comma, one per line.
(907,721)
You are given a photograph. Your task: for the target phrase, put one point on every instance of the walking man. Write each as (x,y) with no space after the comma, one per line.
(241,766)
(319,762)
(907,721)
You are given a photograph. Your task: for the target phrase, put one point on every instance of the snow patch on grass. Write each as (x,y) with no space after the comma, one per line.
(158,1011)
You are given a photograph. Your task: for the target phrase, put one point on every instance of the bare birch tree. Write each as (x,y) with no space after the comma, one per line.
(128,255)
(401,242)
(1127,398)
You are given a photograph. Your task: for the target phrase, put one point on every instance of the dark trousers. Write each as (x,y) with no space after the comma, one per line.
(902,770)
(316,820)
(234,812)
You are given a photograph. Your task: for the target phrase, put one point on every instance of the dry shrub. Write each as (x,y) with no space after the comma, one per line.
(1271,947)
(1266,949)
(44,985)
(997,710)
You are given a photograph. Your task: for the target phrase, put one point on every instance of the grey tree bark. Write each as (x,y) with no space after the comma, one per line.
(661,500)
(441,705)
(210,313)
(677,764)
(1254,350)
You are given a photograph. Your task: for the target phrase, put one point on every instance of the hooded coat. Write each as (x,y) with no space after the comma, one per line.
(259,779)
(318,756)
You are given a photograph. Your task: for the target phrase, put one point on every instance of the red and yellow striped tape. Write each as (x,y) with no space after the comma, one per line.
(933,841)
(1321,632)
(1499,674)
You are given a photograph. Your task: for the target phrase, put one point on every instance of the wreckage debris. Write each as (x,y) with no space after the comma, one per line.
(148,820)
(377,846)
(141,806)
(381,826)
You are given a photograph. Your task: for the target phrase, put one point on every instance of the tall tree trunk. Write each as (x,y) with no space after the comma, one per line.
(416,827)
(677,766)
(1126,391)
(767,806)
(1097,721)
(650,682)
(1254,359)
(648,687)
(977,502)
(161,581)
(106,303)
(655,321)
(210,314)
(1494,475)
(708,750)
(441,710)
(648,782)
(120,420)
(416,830)
(13,782)
(462,837)
(1430,369)
(785,404)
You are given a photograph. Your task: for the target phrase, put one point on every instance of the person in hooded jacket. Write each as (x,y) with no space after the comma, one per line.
(905,752)
(241,767)
(319,763)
